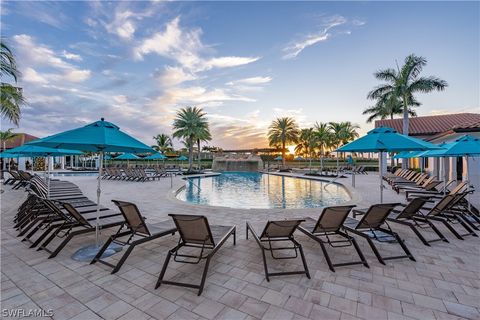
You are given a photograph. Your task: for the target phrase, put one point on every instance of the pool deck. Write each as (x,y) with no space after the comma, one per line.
(444,282)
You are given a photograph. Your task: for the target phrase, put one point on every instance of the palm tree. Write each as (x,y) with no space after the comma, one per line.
(307,142)
(164,143)
(190,124)
(324,139)
(11,98)
(405,82)
(342,132)
(387,106)
(4,137)
(205,136)
(283,131)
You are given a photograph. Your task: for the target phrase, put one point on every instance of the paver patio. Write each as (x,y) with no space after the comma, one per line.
(444,282)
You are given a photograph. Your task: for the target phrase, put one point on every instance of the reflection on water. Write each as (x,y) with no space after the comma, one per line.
(263,191)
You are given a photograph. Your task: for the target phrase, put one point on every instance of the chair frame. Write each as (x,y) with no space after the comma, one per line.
(212,246)
(323,237)
(132,232)
(363,226)
(265,238)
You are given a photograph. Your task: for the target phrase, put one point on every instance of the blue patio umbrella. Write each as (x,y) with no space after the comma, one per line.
(408,154)
(465,146)
(385,139)
(182,158)
(28,150)
(155,156)
(298,158)
(279,158)
(127,156)
(5,154)
(100,136)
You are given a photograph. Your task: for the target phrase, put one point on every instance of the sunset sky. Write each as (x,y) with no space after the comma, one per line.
(245,63)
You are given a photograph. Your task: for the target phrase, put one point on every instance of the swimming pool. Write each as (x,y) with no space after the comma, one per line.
(253,190)
(75,174)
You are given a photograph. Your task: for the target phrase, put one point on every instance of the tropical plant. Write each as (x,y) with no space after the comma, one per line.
(190,124)
(11,97)
(4,137)
(404,82)
(387,106)
(164,143)
(282,131)
(342,132)
(324,139)
(307,142)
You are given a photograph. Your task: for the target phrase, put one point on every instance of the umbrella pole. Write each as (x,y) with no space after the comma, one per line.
(99,191)
(380,174)
(48,177)
(445,175)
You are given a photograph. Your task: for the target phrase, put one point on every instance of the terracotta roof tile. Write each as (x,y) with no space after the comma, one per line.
(429,125)
(18,140)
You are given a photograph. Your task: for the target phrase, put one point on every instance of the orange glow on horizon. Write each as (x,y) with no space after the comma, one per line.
(291,149)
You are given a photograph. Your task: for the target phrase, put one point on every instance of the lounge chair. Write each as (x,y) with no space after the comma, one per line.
(441,212)
(75,224)
(279,231)
(196,232)
(137,231)
(327,229)
(408,216)
(371,226)
(14,178)
(437,194)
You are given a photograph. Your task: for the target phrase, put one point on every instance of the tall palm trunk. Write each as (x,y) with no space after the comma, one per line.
(283,152)
(199,160)
(190,153)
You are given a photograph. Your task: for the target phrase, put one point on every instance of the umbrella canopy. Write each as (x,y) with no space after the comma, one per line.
(127,156)
(156,156)
(5,154)
(384,139)
(28,150)
(107,157)
(298,158)
(467,146)
(95,137)
(278,158)
(182,158)
(409,154)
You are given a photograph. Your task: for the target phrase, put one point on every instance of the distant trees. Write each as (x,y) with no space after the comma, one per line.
(283,131)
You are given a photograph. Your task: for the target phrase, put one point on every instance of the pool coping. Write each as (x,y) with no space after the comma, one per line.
(172,196)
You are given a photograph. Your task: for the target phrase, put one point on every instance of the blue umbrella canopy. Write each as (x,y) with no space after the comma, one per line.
(278,158)
(182,158)
(409,154)
(107,157)
(298,158)
(95,137)
(28,150)
(385,139)
(156,156)
(127,156)
(463,146)
(5,154)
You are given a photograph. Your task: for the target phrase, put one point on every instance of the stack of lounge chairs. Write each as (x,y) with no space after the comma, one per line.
(134,174)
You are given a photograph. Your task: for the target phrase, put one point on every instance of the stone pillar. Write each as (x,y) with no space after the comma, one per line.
(384,163)
(62,163)
(453,168)
(21,164)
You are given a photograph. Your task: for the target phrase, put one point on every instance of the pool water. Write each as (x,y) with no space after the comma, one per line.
(75,174)
(249,190)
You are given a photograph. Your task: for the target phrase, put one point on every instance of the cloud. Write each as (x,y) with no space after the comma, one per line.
(186,48)
(199,96)
(39,55)
(47,12)
(173,76)
(71,56)
(122,25)
(328,24)
(32,76)
(250,81)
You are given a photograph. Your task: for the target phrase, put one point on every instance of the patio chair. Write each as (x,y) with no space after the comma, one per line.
(75,224)
(137,231)
(438,194)
(279,231)
(440,212)
(195,232)
(14,177)
(408,216)
(428,185)
(328,229)
(373,225)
